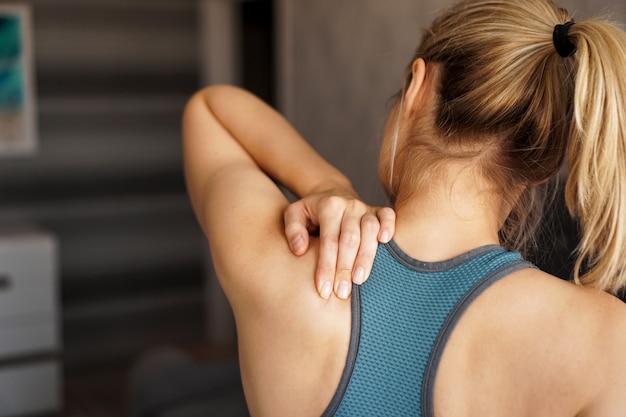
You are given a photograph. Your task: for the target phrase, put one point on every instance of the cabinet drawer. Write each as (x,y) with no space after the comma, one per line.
(28,293)
(27,274)
(28,334)
(29,389)
(20,298)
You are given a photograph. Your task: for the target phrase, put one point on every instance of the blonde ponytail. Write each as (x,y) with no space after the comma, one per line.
(595,191)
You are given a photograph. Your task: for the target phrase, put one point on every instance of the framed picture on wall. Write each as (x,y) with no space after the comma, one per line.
(18,119)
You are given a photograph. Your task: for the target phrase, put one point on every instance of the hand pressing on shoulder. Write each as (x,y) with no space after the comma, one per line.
(349,232)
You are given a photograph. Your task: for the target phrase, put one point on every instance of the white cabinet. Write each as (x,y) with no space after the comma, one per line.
(29,323)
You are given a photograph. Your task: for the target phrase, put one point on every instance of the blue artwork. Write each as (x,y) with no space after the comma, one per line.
(18,126)
(11,66)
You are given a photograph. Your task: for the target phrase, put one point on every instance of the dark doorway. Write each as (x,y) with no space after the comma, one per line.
(257,48)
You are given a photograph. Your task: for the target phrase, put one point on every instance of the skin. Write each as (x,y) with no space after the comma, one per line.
(531,345)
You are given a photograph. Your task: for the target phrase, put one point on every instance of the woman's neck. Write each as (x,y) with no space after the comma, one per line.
(449,216)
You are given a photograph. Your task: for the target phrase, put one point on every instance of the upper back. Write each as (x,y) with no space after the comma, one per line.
(484,334)
(515,342)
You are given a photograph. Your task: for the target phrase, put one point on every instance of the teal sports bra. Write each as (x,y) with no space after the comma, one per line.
(402,318)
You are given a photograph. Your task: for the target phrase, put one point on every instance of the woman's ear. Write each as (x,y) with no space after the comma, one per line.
(416,88)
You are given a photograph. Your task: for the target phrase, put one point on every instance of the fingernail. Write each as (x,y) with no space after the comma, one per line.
(297,244)
(344,290)
(384,237)
(359,276)
(326,290)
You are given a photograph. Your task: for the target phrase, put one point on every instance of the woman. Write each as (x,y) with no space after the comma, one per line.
(450,322)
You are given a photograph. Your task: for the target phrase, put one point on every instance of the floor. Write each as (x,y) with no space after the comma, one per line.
(100,394)
(105,392)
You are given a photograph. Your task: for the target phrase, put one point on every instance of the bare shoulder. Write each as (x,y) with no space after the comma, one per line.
(562,344)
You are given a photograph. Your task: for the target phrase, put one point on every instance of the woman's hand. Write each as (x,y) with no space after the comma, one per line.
(349,234)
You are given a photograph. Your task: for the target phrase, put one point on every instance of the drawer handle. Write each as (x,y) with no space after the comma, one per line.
(5,283)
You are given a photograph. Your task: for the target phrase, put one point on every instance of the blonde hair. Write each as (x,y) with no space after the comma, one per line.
(502,85)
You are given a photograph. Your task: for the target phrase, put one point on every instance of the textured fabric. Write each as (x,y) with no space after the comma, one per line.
(402,318)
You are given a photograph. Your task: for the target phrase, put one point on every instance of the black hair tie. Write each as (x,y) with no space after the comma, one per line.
(563,45)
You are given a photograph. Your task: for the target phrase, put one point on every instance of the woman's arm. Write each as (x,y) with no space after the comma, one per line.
(267,138)
(237,205)
(349,227)
(279,318)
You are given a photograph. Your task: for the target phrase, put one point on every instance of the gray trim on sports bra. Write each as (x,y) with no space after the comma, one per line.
(440,266)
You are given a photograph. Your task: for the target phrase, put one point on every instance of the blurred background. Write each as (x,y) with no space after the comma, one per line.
(96,223)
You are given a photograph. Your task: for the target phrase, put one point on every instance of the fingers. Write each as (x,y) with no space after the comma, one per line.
(296,222)
(350,241)
(374,229)
(349,235)
(331,220)
(387,218)
(370,228)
